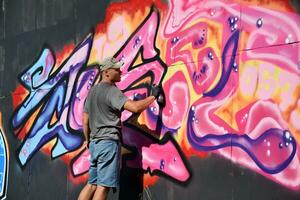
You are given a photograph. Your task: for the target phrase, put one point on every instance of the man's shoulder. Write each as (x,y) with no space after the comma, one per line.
(106,88)
(114,88)
(98,86)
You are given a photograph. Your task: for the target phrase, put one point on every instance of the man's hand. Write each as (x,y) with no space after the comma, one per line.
(85,144)
(156,90)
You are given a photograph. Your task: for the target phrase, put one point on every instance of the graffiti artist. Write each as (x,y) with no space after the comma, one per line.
(102,128)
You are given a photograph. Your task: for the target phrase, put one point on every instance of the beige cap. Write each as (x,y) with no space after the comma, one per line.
(110,62)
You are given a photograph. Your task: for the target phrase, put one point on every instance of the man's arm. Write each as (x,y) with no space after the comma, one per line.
(138,106)
(86,128)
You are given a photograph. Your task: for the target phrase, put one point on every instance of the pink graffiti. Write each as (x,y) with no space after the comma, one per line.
(81,164)
(82,87)
(272,34)
(204,69)
(262,24)
(167,160)
(141,42)
(177,101)
(163,157)
(206,46)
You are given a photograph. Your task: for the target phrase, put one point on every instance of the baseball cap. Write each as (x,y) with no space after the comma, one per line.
(110,62)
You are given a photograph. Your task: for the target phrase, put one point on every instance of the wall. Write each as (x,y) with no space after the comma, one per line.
(230,70)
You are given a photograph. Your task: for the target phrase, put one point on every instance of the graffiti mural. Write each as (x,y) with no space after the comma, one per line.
(230,73)
(4,162)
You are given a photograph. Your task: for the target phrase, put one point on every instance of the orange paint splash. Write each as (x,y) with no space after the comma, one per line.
(130,7)
(63,54)
(149,180)
(19,95)
(280,5)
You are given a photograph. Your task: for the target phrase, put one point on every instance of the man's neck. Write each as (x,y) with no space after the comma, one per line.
(107,81)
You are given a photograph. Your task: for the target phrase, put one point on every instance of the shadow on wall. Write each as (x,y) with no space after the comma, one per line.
(132,178)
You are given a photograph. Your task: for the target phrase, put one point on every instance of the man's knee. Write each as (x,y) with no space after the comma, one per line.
(87,192)
(102,188)
(91,188)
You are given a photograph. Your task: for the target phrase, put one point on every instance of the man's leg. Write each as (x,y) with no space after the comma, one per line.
(101,193)
(87,192)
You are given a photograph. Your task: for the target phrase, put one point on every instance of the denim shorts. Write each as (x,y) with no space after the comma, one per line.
(104,163)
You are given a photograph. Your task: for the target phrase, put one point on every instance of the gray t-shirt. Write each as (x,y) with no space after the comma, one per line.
(104,105)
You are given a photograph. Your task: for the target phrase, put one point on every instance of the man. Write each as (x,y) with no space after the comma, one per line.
(102,128)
